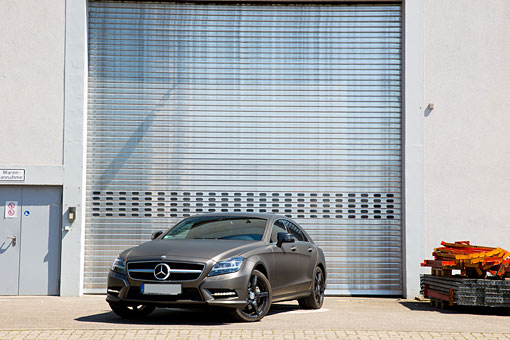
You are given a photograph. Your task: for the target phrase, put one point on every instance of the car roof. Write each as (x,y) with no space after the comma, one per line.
(242,214)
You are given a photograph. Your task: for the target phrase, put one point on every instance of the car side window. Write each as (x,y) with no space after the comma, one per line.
(294,230)
(278,227)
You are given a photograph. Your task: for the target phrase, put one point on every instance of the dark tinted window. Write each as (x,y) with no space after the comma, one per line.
(219,227)
(294,230)
(278,227)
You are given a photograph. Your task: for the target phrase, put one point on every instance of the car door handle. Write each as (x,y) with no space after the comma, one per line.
(293,248)
(310,250)
(13,238)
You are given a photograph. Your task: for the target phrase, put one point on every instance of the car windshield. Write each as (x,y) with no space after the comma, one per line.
(219,227)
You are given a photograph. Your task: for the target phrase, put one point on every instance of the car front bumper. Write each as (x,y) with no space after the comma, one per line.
(212,291)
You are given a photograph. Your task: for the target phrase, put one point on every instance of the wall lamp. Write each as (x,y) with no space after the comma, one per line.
(71,214)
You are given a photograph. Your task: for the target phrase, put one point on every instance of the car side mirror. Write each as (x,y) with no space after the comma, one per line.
(156,234)
(284,238)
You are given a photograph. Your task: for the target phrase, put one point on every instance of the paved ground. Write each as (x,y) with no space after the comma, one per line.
(89,317)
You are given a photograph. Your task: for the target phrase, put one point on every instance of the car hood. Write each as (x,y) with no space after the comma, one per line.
(200,250)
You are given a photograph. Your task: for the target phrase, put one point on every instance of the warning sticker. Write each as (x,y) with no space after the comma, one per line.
(11,209)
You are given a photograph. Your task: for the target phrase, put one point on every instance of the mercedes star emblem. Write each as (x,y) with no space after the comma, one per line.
(162,271)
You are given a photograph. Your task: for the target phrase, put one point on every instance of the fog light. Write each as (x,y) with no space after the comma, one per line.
(223,293)
(113,291)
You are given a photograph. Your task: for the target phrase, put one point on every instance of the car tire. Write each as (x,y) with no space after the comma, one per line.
(131,311)
(259,299)
(316,297)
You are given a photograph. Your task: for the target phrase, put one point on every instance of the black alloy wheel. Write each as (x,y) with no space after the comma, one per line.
(131,311)
(316,298)
(258,299)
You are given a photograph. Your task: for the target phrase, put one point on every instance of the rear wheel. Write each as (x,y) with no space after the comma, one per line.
(316,298)
(131,311)
(259,299)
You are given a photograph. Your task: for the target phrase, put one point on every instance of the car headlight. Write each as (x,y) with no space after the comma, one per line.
(118,266)
(231,265)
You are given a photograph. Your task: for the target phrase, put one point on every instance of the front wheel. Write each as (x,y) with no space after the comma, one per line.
(131,311)
(259,299)
(316,297)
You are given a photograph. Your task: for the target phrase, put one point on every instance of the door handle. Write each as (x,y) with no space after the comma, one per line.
(310,250)
(293,248)
(13,238)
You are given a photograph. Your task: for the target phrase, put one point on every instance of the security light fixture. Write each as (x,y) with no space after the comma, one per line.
(71,214)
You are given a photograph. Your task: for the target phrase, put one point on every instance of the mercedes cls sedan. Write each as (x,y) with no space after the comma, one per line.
(242,262)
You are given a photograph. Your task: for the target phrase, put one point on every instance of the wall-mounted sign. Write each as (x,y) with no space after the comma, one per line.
(12,174)
(11,209)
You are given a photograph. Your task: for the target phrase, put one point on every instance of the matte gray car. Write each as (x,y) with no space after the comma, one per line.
(242,262)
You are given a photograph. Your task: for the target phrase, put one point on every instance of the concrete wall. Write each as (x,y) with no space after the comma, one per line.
(39,48)
(467,135)
(414,230)
(466,142)
(32,82)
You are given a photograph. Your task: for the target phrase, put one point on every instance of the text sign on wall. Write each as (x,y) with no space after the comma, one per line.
(12,174)
(11,209)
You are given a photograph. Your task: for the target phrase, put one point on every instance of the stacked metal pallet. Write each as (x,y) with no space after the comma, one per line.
(483,280)
(472,261)
(484,292)
(464,291)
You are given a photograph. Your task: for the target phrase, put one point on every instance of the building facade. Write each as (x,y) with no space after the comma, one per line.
(123,117)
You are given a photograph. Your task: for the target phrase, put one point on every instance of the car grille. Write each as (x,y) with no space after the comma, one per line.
(179,271)
(188,294)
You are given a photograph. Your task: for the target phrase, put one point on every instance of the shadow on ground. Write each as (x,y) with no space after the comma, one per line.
(425,306)
(178,316)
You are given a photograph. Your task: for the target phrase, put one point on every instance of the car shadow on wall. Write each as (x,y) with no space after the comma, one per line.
(178,316)
(421,306)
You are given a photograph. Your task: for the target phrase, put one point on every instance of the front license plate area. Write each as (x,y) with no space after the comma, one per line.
(161,289)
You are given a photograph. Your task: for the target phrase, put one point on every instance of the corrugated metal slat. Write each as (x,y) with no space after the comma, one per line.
(291,109)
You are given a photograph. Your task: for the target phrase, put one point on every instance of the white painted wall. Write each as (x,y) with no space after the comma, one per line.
(467,135)
(414,242)
(73,195)
(466,141)
(32,82)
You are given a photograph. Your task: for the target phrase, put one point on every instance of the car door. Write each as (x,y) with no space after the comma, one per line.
(306,257)
(283,272)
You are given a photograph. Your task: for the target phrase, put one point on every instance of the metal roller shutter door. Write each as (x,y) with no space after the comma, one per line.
(292,109)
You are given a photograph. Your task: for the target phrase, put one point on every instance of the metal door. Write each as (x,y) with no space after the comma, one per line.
(287,109)
(306,263)
(307,257)
(9,240)
(39,272)
(30,241)
(283,274)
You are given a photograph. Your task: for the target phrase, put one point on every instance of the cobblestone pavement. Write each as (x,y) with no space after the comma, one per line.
(214,334)
(89,317)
